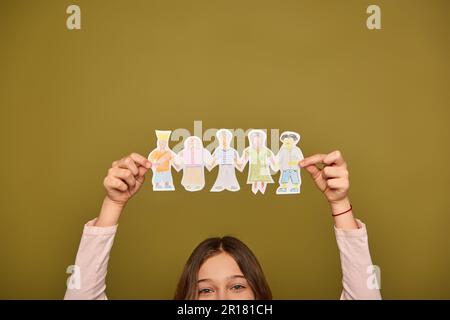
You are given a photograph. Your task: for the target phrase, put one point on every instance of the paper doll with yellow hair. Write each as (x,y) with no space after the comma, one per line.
(162,159)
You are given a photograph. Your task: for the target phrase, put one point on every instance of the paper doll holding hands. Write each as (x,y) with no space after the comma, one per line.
(226,157)
(260,159)
(193,160)
(288,159)
(162,160)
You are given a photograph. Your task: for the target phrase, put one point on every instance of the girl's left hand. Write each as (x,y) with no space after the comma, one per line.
(331,179)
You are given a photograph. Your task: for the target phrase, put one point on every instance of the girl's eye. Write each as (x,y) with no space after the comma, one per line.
(237,287)
(205,291)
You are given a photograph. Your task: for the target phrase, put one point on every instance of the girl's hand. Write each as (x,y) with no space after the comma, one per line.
(125,178)
(332,180)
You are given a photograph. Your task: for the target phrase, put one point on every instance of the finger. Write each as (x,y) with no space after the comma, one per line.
(317,177)
(315,159)
(141,160)
(141,175)
(115,183)
(334,172)
(123,174)
(338,183)
(313,171)
(142,171)
(128,163)
(334,157)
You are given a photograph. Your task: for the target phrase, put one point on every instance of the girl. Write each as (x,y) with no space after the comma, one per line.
(222,268)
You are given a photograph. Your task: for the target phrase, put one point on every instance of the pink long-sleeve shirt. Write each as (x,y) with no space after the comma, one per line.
(96,243)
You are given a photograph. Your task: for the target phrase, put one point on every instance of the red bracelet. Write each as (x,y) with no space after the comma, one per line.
(338,214)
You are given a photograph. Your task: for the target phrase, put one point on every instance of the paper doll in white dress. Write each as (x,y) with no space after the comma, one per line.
(193,160)
(288,159)
(260,159)
(226,158)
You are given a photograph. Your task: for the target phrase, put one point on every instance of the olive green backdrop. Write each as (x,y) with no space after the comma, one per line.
(74,101)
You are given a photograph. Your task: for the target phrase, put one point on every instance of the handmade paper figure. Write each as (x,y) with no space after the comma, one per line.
(288,158)
(226,157)
(162,159)
(260,159)
(193,159)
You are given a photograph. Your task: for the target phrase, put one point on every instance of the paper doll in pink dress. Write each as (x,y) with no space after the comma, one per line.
(194,158)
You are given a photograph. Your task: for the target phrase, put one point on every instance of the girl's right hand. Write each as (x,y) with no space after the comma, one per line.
(125,178)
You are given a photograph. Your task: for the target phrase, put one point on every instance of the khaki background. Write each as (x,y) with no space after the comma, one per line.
(74,101)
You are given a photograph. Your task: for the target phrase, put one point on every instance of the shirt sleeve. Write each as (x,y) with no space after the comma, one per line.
(91,263)
(356,264)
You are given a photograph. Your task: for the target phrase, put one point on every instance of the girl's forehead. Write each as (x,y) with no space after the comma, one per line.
(219,267)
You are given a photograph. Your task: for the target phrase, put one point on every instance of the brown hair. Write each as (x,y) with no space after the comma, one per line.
(244,257)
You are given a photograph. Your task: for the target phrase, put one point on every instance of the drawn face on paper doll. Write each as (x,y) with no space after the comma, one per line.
(163,139)
(257,138)
(162,144)
(224,137)
(289,139)
(193,143)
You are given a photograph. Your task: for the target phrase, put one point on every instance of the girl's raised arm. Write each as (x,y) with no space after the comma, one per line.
(330,174)
(124,179)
